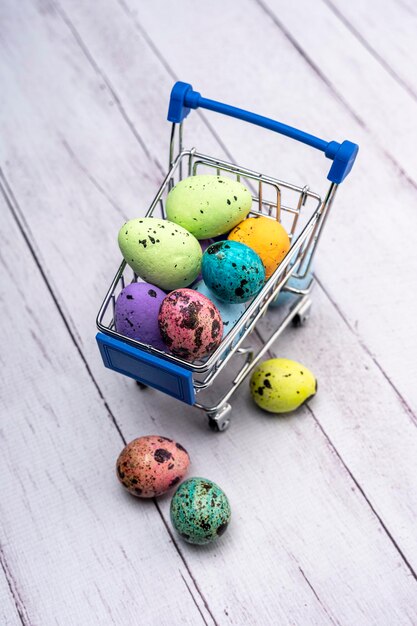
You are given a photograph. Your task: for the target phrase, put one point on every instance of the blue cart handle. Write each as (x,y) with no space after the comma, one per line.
(184,98)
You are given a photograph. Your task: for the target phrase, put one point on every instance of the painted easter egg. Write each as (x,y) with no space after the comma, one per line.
(200,511)
(149,466)
(230,313)
(208,205)
(233,271)
(136,313)
(160,252)
(281,385)
(267,237)
(190,324)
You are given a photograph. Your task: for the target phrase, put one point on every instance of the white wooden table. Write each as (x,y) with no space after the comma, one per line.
(324,501)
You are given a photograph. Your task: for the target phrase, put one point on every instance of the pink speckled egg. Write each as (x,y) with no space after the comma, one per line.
(190,324)
(149,466)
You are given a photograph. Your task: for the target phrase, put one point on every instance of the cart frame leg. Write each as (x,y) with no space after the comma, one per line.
(219,414)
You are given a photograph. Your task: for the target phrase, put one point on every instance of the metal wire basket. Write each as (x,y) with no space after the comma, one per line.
(301,211)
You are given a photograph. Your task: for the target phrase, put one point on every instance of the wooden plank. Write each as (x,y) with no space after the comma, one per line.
(290,571)
(388,31)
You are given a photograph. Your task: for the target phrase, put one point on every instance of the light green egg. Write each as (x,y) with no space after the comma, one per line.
(208,205)
(281,385)
(160,252)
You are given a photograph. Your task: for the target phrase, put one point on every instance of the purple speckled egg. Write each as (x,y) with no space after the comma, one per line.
(136,313)
(190,324)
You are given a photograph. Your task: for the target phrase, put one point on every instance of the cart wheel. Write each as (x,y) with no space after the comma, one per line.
(299,320)
(219,420)
(141,385)
(302,316)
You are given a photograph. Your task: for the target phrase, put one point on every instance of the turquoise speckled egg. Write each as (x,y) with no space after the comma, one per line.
(233,271)
(200,511)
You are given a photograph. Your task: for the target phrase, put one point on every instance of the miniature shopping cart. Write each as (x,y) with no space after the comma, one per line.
(302,213)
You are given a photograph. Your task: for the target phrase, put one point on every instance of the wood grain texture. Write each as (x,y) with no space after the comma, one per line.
(387,30)
(305,546)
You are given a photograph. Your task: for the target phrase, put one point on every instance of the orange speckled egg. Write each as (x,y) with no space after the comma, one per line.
(149,466)
(266,237)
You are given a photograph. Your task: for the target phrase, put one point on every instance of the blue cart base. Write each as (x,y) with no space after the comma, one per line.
(146,368)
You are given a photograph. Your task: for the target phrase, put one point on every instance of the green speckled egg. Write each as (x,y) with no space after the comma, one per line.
(281,385)
(208,205)
(160,252)
(200,510)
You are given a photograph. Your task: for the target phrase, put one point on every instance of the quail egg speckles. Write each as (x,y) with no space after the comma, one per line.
(282,385)
(149,466)
(190,324)
(200,511)
(233,271)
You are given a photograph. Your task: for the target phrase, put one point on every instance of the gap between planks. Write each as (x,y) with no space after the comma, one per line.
(14,591)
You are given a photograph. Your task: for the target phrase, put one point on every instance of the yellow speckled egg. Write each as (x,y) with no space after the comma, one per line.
(281,385)
(267,237)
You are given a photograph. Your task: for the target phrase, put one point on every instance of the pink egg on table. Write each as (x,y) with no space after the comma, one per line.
(190,324)
(149,466)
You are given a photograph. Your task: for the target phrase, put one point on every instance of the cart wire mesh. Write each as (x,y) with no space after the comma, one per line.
(298,209)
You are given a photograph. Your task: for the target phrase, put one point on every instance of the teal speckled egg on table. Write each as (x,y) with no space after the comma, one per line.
(200,511)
